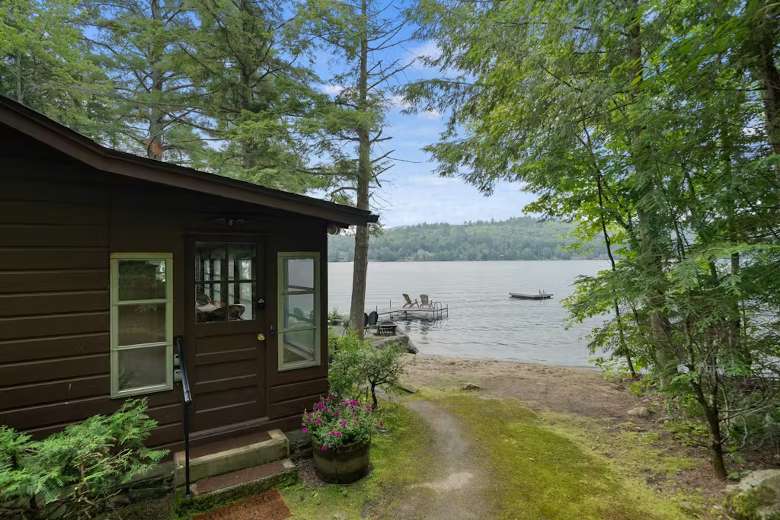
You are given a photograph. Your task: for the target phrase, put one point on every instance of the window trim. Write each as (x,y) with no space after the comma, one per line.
(115,348)
(281,293)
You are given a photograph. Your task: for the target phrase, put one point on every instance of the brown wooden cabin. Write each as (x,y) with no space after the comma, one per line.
(106,257)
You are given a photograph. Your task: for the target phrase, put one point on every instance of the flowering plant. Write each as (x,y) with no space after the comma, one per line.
(334,422)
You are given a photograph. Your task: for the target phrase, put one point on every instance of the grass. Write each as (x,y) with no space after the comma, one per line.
(399,458)
(551,467)
(545,471)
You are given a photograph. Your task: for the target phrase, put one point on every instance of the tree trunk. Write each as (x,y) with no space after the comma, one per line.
(712,414)
(651,255)
(154,144)
(618,318)
(360,264)
(763,21)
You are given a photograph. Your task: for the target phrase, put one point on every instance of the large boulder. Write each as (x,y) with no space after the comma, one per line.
(756,497)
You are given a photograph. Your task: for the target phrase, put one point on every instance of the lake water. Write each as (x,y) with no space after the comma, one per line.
(483,321)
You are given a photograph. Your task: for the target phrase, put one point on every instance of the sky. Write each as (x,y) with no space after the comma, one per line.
(411,192)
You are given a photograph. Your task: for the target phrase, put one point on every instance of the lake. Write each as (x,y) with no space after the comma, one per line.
(483,321)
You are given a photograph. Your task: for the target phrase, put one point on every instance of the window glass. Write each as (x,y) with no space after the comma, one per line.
(141,367)
(141,323)
(224,282)
(299,310)
(299,346)
(300,274)
(141,279)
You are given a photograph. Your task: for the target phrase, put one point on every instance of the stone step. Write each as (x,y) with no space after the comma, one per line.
(246,481)
(233,454)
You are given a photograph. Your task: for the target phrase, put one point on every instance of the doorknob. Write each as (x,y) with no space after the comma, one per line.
(261,337)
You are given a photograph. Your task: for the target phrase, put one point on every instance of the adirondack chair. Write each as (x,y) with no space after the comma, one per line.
(425,301)
(408,303)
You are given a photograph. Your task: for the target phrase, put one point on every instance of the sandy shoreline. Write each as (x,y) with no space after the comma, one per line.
(580,390)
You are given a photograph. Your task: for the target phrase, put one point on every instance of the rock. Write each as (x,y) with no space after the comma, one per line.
(755,497)
(470,387)
(639,411)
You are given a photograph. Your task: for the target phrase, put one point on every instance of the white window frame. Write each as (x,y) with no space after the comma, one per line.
(114,323)
(281,293)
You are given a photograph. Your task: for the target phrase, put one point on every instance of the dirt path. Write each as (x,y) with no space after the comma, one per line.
(457,490)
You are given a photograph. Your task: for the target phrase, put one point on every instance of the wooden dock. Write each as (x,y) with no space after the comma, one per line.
(435,312)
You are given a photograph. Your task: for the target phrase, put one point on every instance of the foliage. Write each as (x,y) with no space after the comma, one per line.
(522,238)
(650,124)
(358,368)
(45,64)
(75,473)
(335,422)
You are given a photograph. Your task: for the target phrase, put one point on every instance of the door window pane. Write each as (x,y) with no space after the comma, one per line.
(141,367)
(141,279)
(224,282)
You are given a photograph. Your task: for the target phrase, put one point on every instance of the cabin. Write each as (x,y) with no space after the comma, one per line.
(108,261)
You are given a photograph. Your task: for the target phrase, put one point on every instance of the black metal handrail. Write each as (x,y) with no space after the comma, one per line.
(186,406)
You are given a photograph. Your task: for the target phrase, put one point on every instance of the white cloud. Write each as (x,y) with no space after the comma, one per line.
(427,50)
(397,102)
(332,90)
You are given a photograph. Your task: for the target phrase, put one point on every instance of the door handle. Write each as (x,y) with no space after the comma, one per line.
(261,337)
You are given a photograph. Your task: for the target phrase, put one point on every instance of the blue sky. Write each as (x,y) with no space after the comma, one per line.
(411,192)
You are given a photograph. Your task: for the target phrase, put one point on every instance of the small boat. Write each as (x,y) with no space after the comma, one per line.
(541,295)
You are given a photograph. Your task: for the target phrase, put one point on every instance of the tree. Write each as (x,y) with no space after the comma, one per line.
(139,45)
(359,32)
(637,120)
(45,65)
(261,111)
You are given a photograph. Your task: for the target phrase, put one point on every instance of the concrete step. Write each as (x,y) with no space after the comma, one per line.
(233,454)
(246,481)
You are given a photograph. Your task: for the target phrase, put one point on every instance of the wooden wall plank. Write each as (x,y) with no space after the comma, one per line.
(54,347)
(21,259)
(44,393)
(16,235)
(53,369)
(51,212)
(295,390)
(292,407)
(44,281)
(53,303)
(53,325)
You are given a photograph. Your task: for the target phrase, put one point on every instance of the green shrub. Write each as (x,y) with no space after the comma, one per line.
(358,368)
(75,474)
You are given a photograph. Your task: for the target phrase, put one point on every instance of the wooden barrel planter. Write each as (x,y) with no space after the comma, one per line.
(342,465)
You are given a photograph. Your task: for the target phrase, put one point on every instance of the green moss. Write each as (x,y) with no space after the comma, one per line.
(539,472)
(399,458)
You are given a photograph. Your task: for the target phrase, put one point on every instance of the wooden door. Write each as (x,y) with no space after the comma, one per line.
(226,326)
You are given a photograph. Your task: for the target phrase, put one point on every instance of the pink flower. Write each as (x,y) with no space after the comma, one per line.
(305,429)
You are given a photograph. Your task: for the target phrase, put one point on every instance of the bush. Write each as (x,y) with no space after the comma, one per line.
(75,474)
(338,422)
(358,368)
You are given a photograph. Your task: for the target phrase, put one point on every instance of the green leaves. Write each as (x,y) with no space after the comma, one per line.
(76,472)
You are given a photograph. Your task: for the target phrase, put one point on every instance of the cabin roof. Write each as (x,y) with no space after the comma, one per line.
(53,134)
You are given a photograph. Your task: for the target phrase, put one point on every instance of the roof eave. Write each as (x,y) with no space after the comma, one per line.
(74,145)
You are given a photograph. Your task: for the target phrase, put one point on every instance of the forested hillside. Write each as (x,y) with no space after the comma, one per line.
(514,239)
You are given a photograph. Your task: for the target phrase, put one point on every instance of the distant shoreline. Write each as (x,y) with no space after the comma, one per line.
(474,261)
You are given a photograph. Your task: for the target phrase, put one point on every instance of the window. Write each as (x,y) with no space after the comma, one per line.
(141,323)
(225,277)
(299,310)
